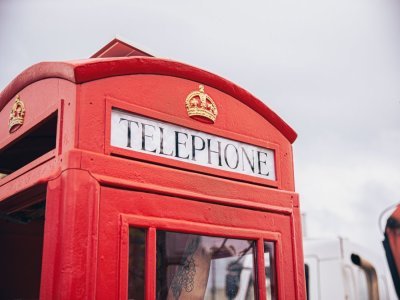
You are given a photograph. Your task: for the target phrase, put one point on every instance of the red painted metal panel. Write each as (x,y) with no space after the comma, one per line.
(88,70)
(150,270)
(70,242)
(124,260)
(138,95)
(298,254)
(119,48)
(136,175)
(261,269)
(95,191)
(174,214)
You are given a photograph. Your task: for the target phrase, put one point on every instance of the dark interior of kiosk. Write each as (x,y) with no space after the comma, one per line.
(36,142)
(21,244)
(22,215)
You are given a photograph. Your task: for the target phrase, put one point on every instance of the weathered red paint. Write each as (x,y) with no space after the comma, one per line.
(95,191)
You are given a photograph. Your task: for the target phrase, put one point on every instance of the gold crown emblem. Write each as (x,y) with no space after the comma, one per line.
(17,115)
(200,106)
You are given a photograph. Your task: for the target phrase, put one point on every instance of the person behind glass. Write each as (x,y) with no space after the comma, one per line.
(191,277)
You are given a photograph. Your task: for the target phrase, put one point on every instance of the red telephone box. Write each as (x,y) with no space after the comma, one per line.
(144,178)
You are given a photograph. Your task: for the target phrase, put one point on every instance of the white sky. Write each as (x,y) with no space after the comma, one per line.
(330,68)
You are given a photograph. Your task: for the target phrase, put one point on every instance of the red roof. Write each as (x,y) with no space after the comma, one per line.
(119,48)
(81,71)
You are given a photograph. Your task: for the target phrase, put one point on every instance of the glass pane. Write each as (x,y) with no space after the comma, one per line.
(204,267)
(137,250)
(269,260)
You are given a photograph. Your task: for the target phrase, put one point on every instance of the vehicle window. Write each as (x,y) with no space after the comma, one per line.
(311,266)
(204,267)
(306,273)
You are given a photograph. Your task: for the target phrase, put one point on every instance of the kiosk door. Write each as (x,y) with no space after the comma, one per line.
(163,247)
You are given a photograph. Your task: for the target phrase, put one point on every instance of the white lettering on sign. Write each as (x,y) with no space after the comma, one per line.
(145,135)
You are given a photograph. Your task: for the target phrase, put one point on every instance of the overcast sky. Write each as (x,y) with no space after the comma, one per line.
(330,68)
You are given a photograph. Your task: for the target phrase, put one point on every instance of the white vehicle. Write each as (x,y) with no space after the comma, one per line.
(338,269)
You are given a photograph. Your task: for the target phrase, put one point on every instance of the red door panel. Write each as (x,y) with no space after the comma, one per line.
(121,210)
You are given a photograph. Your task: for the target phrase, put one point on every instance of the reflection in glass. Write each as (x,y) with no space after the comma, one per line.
(137,240)
(203,267)
(269,260)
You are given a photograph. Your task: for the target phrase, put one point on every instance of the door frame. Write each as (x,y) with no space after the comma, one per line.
(152,224)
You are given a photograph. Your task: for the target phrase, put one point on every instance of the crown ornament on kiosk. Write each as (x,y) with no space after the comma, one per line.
(17,115)
(201,107)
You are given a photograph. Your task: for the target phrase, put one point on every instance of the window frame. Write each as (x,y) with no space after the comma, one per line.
(152,224)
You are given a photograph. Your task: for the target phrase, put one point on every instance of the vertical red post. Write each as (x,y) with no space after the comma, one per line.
(70,242)
(150,270)
(261,270)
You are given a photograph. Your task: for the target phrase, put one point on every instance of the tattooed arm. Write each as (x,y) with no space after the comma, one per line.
(190,279)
